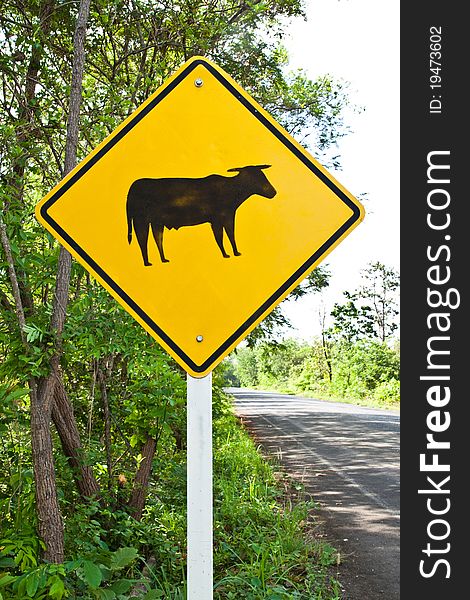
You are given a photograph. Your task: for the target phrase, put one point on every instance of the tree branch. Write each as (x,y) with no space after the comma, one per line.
(19,309)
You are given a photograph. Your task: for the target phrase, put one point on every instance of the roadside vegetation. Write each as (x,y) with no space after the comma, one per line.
(263,542)
(92,411)
(357,359)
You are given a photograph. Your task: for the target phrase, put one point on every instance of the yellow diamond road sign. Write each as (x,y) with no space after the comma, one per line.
(199,214)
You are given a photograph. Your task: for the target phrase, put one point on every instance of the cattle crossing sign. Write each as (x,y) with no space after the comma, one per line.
(199,214)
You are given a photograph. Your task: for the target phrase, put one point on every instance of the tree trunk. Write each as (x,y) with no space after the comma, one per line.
(324,343)
(141,482)
(107,425)
(179,437)
(25,119)
(326,354)
(50,527)
(19,308)
(66,425)
(47,506)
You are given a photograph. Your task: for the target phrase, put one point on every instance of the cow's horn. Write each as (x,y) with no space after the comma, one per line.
(249,166)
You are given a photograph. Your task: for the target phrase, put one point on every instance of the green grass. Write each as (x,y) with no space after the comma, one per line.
(263,548)
(368,401)
(263,542)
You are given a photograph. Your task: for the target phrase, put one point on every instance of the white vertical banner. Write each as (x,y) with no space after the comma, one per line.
(199,488)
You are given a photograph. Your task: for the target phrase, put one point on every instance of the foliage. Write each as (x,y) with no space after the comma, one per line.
(121,391)
(375,317)
(273,326)
(260,551)
(260,547)
(99,575)
(269,364)
(360,368)
(132,47)
(367,371)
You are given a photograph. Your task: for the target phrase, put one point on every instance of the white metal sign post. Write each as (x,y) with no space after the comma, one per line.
(199,488)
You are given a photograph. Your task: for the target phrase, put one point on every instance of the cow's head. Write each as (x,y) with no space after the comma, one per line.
(254,181)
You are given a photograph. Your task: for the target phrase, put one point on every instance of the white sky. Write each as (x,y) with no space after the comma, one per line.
(358,41)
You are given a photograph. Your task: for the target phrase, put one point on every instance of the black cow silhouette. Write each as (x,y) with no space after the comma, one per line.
(179,202)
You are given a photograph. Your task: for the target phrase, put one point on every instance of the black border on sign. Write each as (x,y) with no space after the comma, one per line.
(274,297)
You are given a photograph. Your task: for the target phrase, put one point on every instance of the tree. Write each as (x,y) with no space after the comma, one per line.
(42,389)
(371,311)
(276,322)
(380,290)
(87,367)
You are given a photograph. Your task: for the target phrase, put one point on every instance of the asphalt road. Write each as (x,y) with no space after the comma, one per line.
(347,457)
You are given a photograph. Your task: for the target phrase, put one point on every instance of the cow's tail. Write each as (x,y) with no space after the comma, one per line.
(129,223)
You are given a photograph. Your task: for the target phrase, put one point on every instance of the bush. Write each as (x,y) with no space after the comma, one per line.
(388,392)
(260,547)
(366,370)
(358,368)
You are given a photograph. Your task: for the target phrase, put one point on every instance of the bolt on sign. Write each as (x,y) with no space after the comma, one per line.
(199,214)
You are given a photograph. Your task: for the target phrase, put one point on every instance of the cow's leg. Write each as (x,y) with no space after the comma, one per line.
(157,230)
(230,229)
(142,232)
(218,231)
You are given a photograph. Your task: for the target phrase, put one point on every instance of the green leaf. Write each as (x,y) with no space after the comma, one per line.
(92,573)
(19,393)
(57,589)
(105,594)
(71,565)
(121,586)
(122,557)
(32,584)
(6,580)
(7,562)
